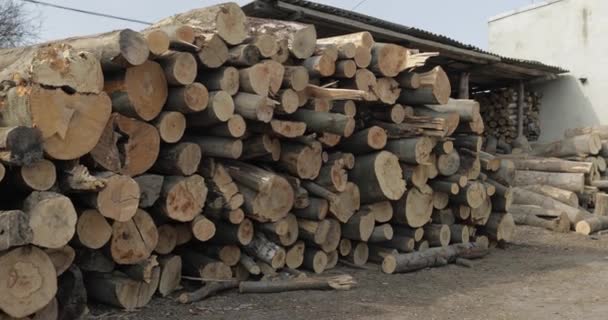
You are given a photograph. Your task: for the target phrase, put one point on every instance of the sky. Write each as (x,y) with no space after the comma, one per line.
(463,20)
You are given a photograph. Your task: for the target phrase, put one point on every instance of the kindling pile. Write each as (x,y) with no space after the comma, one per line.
(218,146)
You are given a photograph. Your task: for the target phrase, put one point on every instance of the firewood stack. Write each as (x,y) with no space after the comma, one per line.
(215,146)
(557,184)
(499,111)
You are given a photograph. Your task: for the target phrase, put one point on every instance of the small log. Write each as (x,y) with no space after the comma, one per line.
(14,229)
(394,114)
(473,195)
(233,233)
(341,205)
(133,241)
(382,211)
(416,175)
(408,80)
(253,107)
(384,182)
(344,247)
(243,55)
(295,77)
(179,159)
(557,225)
(267,251)
(220,108)
(443,217)
(434,89)
(592,224)
(432,257)
(315,260)
(92,229)
(345,69)
(381,233)
(359,254)
(459,233)
(170,274)
(255,79)
(158,41)
(18,297)
(325,122)
(364,141)
(222,79)
(300,160)
(167,239)
(316,210)
(359,227)
(500,227)
(197,264)
(71,295)
(480,215)
(179,67)
(320,66)
(437,235)
(132,155)
(52,218)
(171,126)
(412,151)
(118,290)
(521,196)
(466,109)
(341,282)
(182,198)
(414,208)
(150,186)
(143,271)
(364,80)
(62,258)
(203,229)
(217,146)
(235,127)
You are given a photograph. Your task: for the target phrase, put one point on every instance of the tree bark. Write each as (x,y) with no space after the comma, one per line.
(574,182)
(14,229)
(178,159)
(433,257)
(20,145)
(568,197)
(583,145)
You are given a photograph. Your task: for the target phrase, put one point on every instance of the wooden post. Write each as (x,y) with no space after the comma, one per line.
(463,87)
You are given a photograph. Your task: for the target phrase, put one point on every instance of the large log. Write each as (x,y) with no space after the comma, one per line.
(559,224)
(132,155)
(574,182)
(522,196)
(301,38)
(434,89)
(226,20)
(601,130)
(133,241)
(28,283)
(52,218)
(70,124)
(379,176)
(583,145)
(53,65)
(412,151)
(500,227)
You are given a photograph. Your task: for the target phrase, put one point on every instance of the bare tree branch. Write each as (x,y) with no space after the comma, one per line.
(17,26)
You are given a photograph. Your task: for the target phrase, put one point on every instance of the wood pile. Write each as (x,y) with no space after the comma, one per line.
(499,111)
(215,146)
(561,186)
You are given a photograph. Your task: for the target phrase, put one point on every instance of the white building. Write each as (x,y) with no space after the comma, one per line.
(569,34)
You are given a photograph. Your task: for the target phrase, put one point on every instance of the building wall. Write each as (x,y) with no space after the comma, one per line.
(570,34)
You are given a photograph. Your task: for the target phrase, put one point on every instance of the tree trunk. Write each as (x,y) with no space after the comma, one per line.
(18,297)
(132,155)
(558,225)
(267,251)
(384,182)
(70,124)
(133,241)
(574,182)
(592,224)
(522,196)
(52,218)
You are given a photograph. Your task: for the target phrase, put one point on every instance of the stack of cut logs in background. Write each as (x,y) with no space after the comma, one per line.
(213,146)
(557,184)
(499,111)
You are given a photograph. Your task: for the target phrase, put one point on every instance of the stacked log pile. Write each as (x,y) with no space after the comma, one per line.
(557,185)
(217,146)
(499,111)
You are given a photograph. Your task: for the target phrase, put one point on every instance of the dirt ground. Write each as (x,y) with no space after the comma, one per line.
(540,276)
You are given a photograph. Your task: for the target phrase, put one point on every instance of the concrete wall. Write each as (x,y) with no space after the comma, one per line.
(568,33)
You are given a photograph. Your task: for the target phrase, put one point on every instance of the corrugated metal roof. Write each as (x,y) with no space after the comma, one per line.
(411,31)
